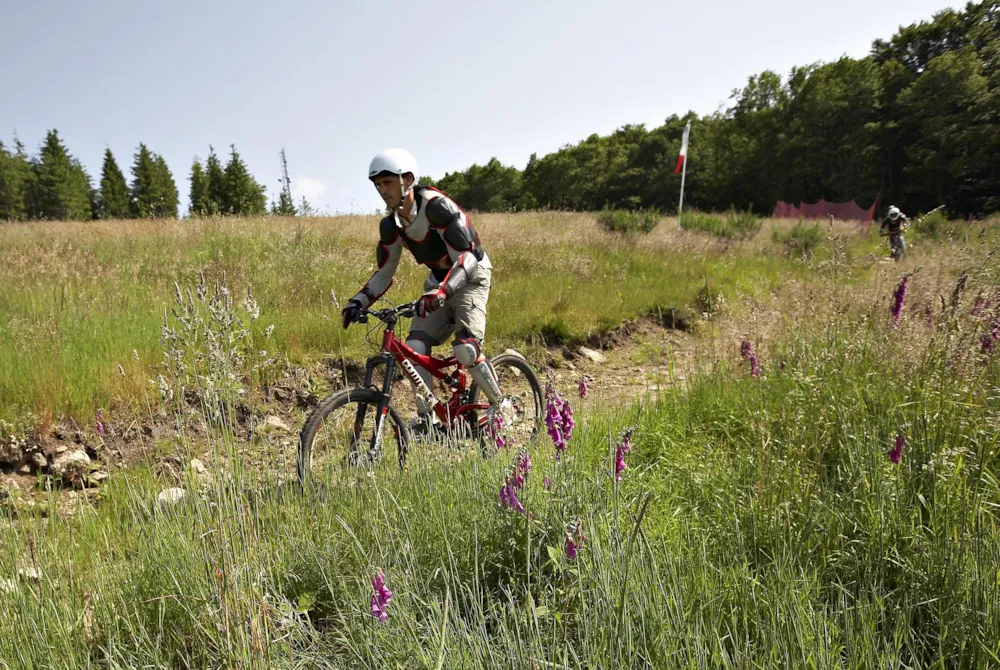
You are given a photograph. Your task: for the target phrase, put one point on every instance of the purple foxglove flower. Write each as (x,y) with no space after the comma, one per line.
(514,481)
(567,420)
(570,547)
(574,540)
(623,448)
(896,453)
(898,298)
(747,353)
(381,597)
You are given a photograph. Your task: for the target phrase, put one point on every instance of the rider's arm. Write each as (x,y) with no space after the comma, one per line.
(449,221)
(387,255)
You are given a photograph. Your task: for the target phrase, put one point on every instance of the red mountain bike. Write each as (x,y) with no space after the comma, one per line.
(356,419)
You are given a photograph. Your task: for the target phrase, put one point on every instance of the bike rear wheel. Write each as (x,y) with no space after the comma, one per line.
(519,382)
(339,431)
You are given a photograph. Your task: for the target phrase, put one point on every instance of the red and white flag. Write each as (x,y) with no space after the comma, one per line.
(684,148)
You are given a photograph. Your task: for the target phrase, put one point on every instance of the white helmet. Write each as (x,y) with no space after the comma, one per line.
(894,212)
(393,161)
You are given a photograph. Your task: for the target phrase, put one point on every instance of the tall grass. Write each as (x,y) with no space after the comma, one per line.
(735,225)
(78,300)
(760,522)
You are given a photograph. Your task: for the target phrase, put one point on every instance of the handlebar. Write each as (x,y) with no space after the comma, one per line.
(390,314)
(407,310)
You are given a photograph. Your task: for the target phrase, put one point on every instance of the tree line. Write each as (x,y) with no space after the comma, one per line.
(54,185)
(916,122)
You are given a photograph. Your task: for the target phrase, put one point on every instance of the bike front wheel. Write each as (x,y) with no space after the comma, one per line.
(339,432)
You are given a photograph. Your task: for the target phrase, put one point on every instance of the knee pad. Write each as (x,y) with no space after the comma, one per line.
(418,345)
(467,351)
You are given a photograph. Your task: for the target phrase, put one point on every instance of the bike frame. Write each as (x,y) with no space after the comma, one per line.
(397,352)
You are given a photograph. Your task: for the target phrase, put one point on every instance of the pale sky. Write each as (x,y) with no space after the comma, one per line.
(335,82)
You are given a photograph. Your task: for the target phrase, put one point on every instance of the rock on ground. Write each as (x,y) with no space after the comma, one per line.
(170,497)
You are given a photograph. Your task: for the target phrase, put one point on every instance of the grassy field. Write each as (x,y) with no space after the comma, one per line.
(838,510)
(79,299)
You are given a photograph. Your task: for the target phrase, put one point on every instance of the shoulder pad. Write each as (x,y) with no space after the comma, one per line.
(387,230)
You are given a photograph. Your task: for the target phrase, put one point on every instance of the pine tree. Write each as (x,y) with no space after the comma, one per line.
(166,188)
(284,206)
(200,202)
(61,187)
(216,182)
(243,195)
(113,200)
(143,191)
(15,181)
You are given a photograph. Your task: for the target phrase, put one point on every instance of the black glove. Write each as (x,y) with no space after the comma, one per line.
(352,312)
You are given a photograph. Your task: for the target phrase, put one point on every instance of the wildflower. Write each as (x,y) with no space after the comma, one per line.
(990,338)
(554,420)
(567,420)
(896,452)
(898,298)
(547,482)
(494,429)
(381,597)
(623,448)
(574,540)
(747,353)
(99,422)
(583,386)
(514,481)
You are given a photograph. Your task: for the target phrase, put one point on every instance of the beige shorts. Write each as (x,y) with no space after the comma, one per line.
(464,313)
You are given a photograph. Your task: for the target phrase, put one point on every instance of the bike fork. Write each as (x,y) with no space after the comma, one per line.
(381,409)
(375,448)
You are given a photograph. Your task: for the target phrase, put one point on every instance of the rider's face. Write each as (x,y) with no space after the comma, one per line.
(391,190)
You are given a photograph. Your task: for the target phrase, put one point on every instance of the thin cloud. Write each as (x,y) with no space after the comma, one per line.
(309,188)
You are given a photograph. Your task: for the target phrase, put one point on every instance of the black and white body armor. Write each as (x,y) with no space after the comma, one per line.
(440,236)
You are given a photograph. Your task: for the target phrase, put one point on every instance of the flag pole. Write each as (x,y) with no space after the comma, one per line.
(684,158)
(680,205)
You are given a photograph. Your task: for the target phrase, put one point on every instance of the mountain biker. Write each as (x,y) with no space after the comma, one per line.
(440,236)
(895,222)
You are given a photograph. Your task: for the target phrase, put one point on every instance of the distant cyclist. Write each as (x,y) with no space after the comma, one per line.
(439,235)
(893,225)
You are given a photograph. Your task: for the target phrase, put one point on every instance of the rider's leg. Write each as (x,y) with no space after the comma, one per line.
(469,305)
(421,344)
(469,353)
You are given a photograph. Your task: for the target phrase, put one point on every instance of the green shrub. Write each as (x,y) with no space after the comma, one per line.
(628,221)
(801,240)
(743,225)
(736,225)
(933,226)
(704,223)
